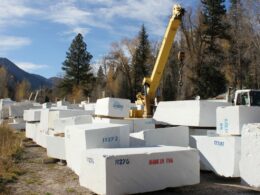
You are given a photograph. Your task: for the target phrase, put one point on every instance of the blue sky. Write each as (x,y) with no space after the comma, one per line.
(36,34)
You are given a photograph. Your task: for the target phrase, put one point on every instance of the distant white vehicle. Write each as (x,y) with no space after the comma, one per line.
(248,97)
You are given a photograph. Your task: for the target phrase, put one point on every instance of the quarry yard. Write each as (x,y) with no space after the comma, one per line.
(153,113)
(42,175)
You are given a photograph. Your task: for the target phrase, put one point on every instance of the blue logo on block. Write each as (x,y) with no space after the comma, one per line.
(218,143)
(226,125)
(118,106)
(221,126)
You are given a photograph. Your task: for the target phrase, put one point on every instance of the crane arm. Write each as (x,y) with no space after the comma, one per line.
(174,23)
(151,83)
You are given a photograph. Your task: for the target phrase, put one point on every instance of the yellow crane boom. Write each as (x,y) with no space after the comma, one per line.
(151,83)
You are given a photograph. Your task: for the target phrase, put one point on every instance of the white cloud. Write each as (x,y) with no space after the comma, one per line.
(11,42)
(105,14)
(13,12)
(67,13)
(28,66)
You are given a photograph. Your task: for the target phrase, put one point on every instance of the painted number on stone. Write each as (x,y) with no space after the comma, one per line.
(110,139)
(122,161)
(161,161)
(218,143)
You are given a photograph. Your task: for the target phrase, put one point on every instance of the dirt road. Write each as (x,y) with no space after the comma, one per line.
(51,178)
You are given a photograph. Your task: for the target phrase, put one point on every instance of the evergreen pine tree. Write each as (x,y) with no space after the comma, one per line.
(77,67)
(239,45)
(100,77)
(215,27)
(211,81)
(140,67)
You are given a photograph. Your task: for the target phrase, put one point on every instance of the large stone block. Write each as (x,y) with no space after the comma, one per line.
(172,136)
(32,115)
(78,138)
(141,124)
(31,130)
(56,147)
(113,107)
(127,121)
(219,154)
(135,124)
(138,170)
(60,124)
(250,158)
(195,113)
(4,107)
(16,110)
(230,120)
(57,114)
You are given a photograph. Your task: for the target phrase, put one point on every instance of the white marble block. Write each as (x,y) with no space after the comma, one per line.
(250,155)
(56,147)
(138,170)
(60,124)
(41,138)
(4,107)
(32,115)
(31,130)
(135,124)
(17,126)
(78,138)
(195,113)
(113,107)
(141,124)
(220,154)
(17,109)
(57,114)
(127,121)
(171,136)
(231,119)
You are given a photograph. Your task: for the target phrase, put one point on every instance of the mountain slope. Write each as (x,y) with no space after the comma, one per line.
(18,74)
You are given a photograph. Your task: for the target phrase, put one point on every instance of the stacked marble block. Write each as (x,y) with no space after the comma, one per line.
(198,115)
(117,163)
(56,140)
(116,111)
(221,152)
(192,113)
(16,112)
(217,153)
(171,136)
(40,123)
(4,107)
(52,136)
(250,159)
(32,118)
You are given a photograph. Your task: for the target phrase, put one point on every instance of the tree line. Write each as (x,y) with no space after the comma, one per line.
(222,50)
(221,46)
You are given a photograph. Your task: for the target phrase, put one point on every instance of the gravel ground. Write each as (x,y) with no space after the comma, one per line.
(51,178)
